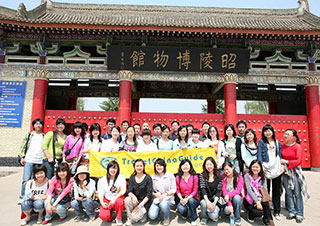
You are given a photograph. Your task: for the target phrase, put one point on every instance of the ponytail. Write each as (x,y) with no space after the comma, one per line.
(294,133)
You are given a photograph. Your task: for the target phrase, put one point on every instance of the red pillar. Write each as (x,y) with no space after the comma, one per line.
(72,105)
(211,106)
(313,111)
(39,99)
(135,105)
(273,108)
(124,112)
(230,101)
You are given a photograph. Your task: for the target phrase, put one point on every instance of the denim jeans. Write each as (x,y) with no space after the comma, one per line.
(88,204)
(293,197)
(61,210)
(205,213)
(237,206)
(164,206)
(27,174)
(191,206)
(50,168)
(36,205)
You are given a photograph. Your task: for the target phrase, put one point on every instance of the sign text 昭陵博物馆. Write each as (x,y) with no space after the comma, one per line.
(142,58)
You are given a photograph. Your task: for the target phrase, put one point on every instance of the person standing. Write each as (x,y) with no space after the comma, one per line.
(31,153)
(175,126)
(241,127)
(52,147)
(110,124)
(293,179)
(205,128)
(269,153)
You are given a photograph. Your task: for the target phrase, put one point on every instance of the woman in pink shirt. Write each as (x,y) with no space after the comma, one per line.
(187,190)
(58,195)
(292,157)
(74,143)
(232,185)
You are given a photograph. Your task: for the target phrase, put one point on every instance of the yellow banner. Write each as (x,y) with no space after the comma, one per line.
(100,160)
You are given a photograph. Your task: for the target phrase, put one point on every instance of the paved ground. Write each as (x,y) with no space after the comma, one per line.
(10,211)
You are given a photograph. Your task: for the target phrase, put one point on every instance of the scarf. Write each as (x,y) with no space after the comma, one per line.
(255,186)
(297,175)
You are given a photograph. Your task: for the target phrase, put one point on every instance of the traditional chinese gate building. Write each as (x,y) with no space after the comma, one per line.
(63,52)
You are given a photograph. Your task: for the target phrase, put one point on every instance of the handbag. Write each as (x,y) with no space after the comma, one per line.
(265,195)
(68,151)
(25,150)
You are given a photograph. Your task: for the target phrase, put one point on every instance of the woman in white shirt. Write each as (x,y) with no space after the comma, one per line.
(147,144)
(111,145)
(111,189)
(218,146)
(84,188)
(93,143)
(164,188)
(35,194)
(182,141)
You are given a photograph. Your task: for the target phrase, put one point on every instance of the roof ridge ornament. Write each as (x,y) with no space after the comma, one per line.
(303,6)
(22,11)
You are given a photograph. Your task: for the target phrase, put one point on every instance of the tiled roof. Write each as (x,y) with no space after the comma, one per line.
(164,16)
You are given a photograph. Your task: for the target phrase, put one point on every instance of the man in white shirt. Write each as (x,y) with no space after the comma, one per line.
(31,153)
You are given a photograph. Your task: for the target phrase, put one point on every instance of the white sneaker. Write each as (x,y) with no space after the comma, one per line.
(278,217)
(166,222)
(92,219)
(19,201)
(119,222)
(194,223)
(128,222)
(25,220)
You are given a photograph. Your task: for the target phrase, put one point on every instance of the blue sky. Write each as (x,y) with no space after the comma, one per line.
(174,105)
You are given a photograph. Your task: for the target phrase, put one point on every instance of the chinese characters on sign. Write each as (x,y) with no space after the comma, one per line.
(178,59)
(12,95)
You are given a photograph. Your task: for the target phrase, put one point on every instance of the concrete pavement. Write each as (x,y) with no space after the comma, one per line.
(10,185)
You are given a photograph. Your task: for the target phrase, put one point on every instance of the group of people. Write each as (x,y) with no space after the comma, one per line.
(242,173)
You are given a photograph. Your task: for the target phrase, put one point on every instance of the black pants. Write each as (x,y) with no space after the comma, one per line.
(254,212)
(276,193)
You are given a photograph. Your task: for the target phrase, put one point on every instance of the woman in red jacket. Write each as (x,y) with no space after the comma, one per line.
(292,157)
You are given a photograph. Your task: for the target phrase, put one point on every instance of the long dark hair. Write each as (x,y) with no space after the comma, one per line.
(81,126)
(63,167)
(179,137)
(111,164)
(134,164)
(191,171)
(134,137)
(225,131)
(254,136)
(205,172)
(235,174)
(265,128)
(217,132)
(95,126)
(160,162)
(294,133)
(261,173)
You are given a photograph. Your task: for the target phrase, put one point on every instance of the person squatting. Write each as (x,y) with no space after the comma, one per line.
(56,175)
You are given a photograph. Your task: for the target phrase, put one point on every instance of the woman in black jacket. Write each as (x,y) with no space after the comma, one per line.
(210,191)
